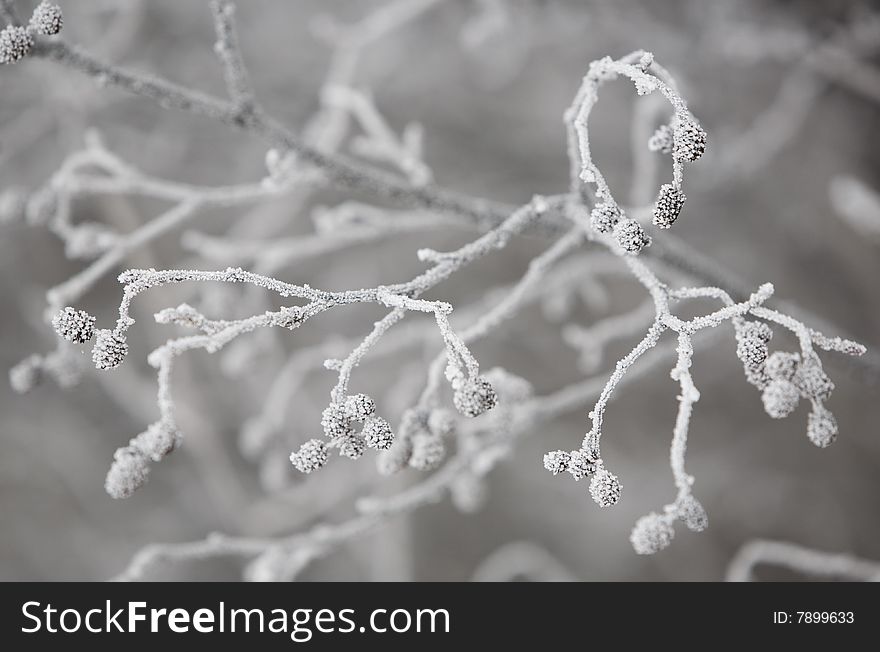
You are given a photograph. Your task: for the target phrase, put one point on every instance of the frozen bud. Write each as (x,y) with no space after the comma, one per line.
(581,464)
(46,19)
(396,458)
(312,455)
(780,398)
(441,423)
(782,365)
(668,206)
(335,422)
(128,473)
(751,344)
(427,452)
(651,534)
(631,236)
(821,427)
(605,488)
(556,462)
(110,349)
(377,433)
(12,206)
(475,396)
(157,441)
(15,43)
(813,382)
(352,447)
(690,139)
(26,375)
(690,511)
(604,217)
(661,140)
(359,406)
(74,325)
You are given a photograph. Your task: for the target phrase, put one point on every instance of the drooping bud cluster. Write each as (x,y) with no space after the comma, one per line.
(780,398)
(821,426)
(16,41)
(128,473)
(751,348)
(631,236)
(74,325)
(337,422)
(692,513)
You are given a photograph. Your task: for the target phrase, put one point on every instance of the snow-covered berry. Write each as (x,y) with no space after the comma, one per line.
(751,345)
(691,512)
(74,325)
(110,349)
(46,19)
(312,455)
(631,236)
(15,43)
(780,398)
(359,406)
(377,433)
(556,462)
(652,533)
(604,217)
(427,452)
(128,473)
(669,204)
(821,427)
(475,396)
(605,488)
(581,464)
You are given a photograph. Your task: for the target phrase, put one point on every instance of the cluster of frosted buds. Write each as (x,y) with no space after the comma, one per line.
(669,204)
(110,349)
(654,532)
(784,378)
(631,236)
(605,216)
(604,487)
(16,41)
(474,396)
(73,325)
(421,442)
(337,421)
(311,455)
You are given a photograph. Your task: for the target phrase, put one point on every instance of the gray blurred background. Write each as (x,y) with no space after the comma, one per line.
(492,114)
